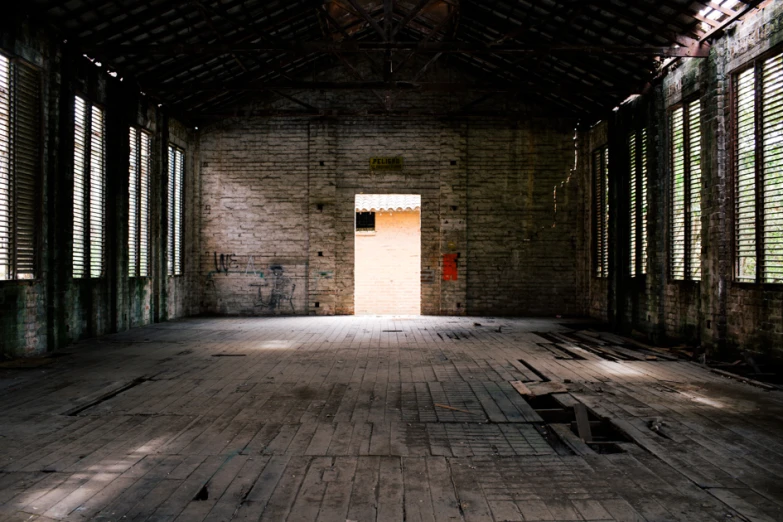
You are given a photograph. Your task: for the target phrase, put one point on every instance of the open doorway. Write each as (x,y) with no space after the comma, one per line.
(387,272)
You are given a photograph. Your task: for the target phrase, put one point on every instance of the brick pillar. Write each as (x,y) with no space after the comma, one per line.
(322,206)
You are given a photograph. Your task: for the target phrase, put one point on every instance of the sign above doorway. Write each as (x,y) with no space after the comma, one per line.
(383,163)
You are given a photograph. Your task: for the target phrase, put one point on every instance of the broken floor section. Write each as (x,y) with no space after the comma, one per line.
(358,418)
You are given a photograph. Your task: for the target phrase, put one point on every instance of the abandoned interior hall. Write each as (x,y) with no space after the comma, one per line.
(391,260)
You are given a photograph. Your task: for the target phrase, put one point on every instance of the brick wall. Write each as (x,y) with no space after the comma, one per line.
(716,312)
(54,310)
(279,191)
(388,265)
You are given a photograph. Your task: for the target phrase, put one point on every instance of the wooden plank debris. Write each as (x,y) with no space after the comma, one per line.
(583,423)
(456,409)
(539,388)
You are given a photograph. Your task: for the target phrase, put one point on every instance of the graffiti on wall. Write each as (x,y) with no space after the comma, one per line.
(280,294)
(229,264)
(269,288)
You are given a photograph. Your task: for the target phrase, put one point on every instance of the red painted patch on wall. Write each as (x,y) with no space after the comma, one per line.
(449,267)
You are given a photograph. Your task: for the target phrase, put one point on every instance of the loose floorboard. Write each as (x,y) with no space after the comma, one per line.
(381,419)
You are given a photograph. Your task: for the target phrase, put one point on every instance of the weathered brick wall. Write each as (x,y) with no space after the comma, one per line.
(716,312)
(519,245)
(741,316)
(598,288)
(254,219)
(280,191)
(55,310)
(388,265)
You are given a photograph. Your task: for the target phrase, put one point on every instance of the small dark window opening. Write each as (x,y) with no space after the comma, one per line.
(365,221)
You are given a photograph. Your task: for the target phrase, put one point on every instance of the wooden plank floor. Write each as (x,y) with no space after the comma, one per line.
(378,418)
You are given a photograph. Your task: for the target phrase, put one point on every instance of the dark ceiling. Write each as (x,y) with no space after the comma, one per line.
(207,56)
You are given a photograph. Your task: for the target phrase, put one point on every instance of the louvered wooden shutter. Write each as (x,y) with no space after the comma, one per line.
(637,207)
(145,167)
(20,167)
(677,222)
(133,203)
(81,160)
(89,189)
(172,170)
(176,178)
(745,175)
(139,202)
(633,203)
(772,167)
(601,209)
(27,167)
(5,168)
(97,191)
(694,191)
(178,212)
(642,203)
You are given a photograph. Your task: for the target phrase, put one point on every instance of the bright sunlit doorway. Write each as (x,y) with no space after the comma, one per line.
(387,275)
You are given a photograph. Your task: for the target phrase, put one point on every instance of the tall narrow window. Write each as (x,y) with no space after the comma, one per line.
(20,167)
(139,203)
(685,222)
(637,154)
(758,164)
(601,210)
(175,211)
(89,184)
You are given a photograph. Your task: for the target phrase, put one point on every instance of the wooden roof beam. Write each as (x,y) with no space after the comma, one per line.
(369,19)
(369,47)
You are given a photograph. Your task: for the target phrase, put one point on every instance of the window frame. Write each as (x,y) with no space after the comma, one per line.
(37,179)
(756,64)
(688,253)
(88,258)
(365,229)
(600,188)
(638,177)
(175,266)
(136,268)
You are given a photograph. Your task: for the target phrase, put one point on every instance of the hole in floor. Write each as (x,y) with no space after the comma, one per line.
(606,438)
(202,495)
